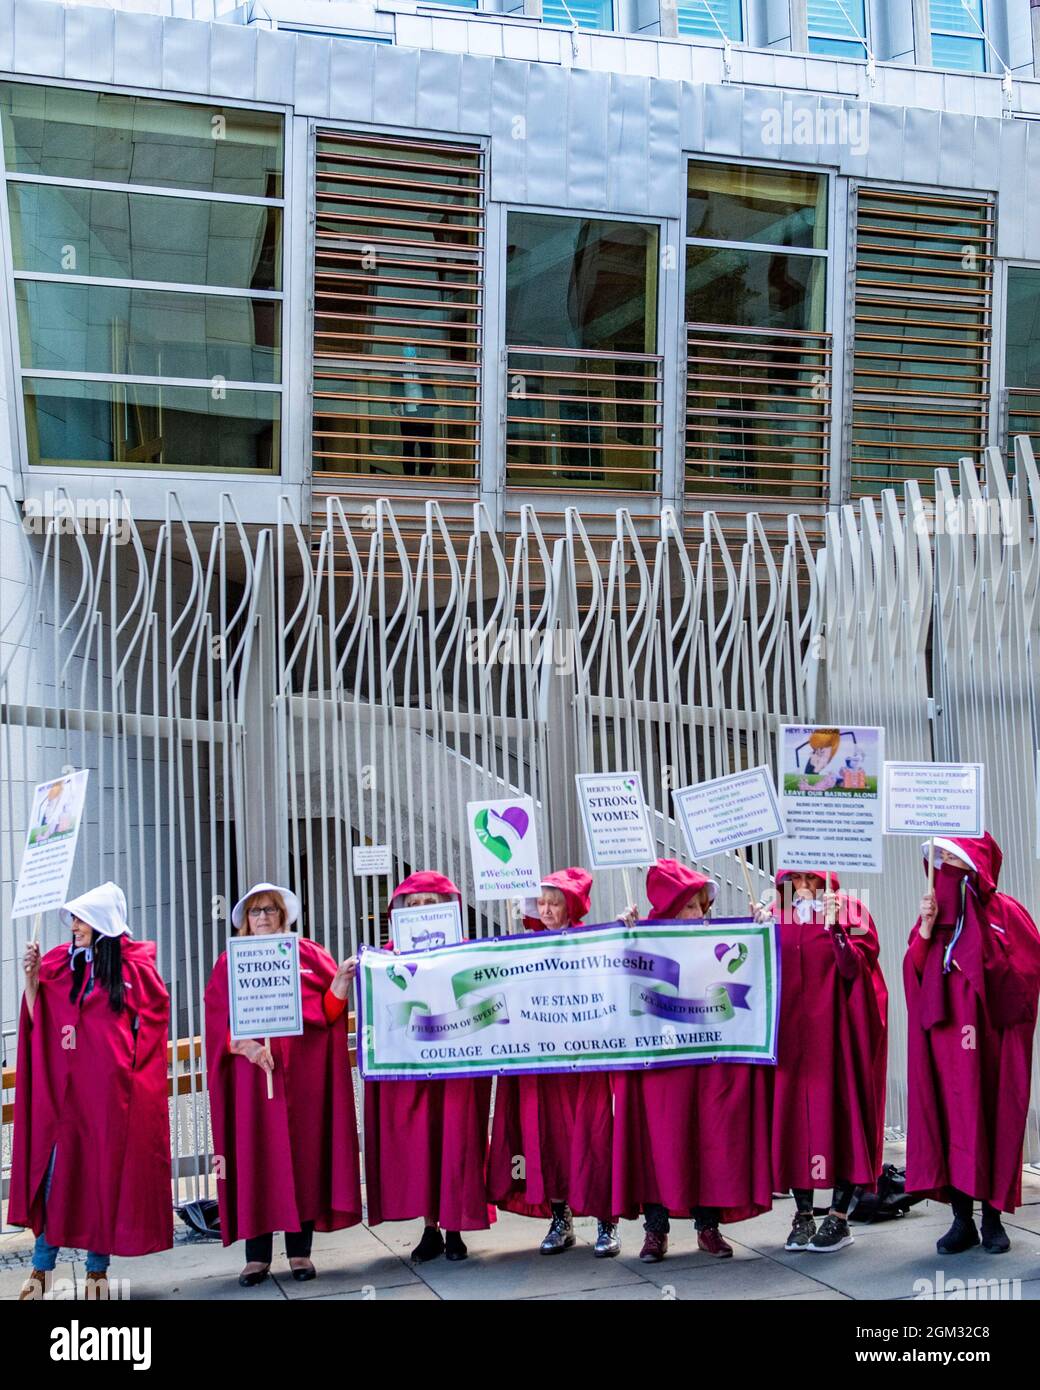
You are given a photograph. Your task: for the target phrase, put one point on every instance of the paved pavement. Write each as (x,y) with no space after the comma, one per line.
(894,1260)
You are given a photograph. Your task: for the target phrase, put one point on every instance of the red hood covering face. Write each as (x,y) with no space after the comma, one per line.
(996,946)
(670,886)
(425,881)
(983,854)
(575,884)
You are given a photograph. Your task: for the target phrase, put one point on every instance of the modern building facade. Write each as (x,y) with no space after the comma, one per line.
(647,261)
(728,254)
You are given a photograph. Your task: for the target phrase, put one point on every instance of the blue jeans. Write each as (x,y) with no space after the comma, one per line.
(45,1255)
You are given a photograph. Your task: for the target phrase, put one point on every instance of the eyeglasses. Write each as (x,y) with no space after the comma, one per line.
(264,911)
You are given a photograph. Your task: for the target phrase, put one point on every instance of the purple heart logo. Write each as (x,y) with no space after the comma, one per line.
(410,967)
(518,818)
(721,949)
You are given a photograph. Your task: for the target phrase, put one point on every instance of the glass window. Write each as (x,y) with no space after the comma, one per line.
(139,425)
(587,14)
(705,18)
(752,289)
(134,332)
(739,202)
(581,282)
(138,236)
(122,356)
(66,132)
(956,38)
(758,356)
(836,27)
(781,209)
(1023,327)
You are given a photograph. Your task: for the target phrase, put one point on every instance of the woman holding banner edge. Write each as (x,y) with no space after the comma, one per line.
(290,1152)
(559,1124)
(690,1140)
(426,1141)
(829,1092)
(972,980)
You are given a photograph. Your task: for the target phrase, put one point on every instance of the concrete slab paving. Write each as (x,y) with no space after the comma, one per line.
(893,1260)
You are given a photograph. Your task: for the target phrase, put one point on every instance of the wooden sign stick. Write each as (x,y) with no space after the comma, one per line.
(270,1075)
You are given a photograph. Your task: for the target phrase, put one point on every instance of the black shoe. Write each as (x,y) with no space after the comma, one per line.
(254,1277)
(803,1228)
(305,1274)
(431,1245)
(834,1234)
(995,1240)
(961,1236)
(560,1235)
(455,1246)
(608,1242)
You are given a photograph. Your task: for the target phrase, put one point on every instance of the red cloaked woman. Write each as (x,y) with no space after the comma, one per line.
(690,1140)
(91,1160)
(291,1162)
(972,978)
(426,1141)
(559,1124)
(829,1095)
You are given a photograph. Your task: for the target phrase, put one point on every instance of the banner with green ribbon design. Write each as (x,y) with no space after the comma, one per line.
(588,999)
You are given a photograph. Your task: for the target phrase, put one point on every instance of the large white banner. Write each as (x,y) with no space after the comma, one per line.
(590,999)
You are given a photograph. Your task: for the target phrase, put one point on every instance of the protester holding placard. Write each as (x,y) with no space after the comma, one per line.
(290,1161)
(559,1125)
(972,978)
(426,1140)
(91,1161)
(829,1097)
(690,1140)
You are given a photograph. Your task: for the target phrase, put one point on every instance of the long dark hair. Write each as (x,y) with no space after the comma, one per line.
(108,970)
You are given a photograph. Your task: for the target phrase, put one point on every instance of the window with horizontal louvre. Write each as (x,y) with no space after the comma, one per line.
(398,307)
(921,349)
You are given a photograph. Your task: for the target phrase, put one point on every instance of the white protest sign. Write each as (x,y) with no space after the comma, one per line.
(370,859)
(504,847)
(729,812)
(830,797)
(264,981)
(50,844)
(424,928)
(934,799)
(617,826)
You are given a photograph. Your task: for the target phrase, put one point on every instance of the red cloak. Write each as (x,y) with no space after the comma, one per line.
(294,1158)
(560,1124)
(829,1097)
(103,1103)
(691,1136)
(426,1141)
(970,1038)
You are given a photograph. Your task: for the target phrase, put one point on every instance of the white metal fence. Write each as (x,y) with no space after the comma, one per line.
(253,703)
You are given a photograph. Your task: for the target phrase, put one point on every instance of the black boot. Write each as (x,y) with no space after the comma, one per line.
(994,1238)
(454,1246)
(430,1247)
(963,1234)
